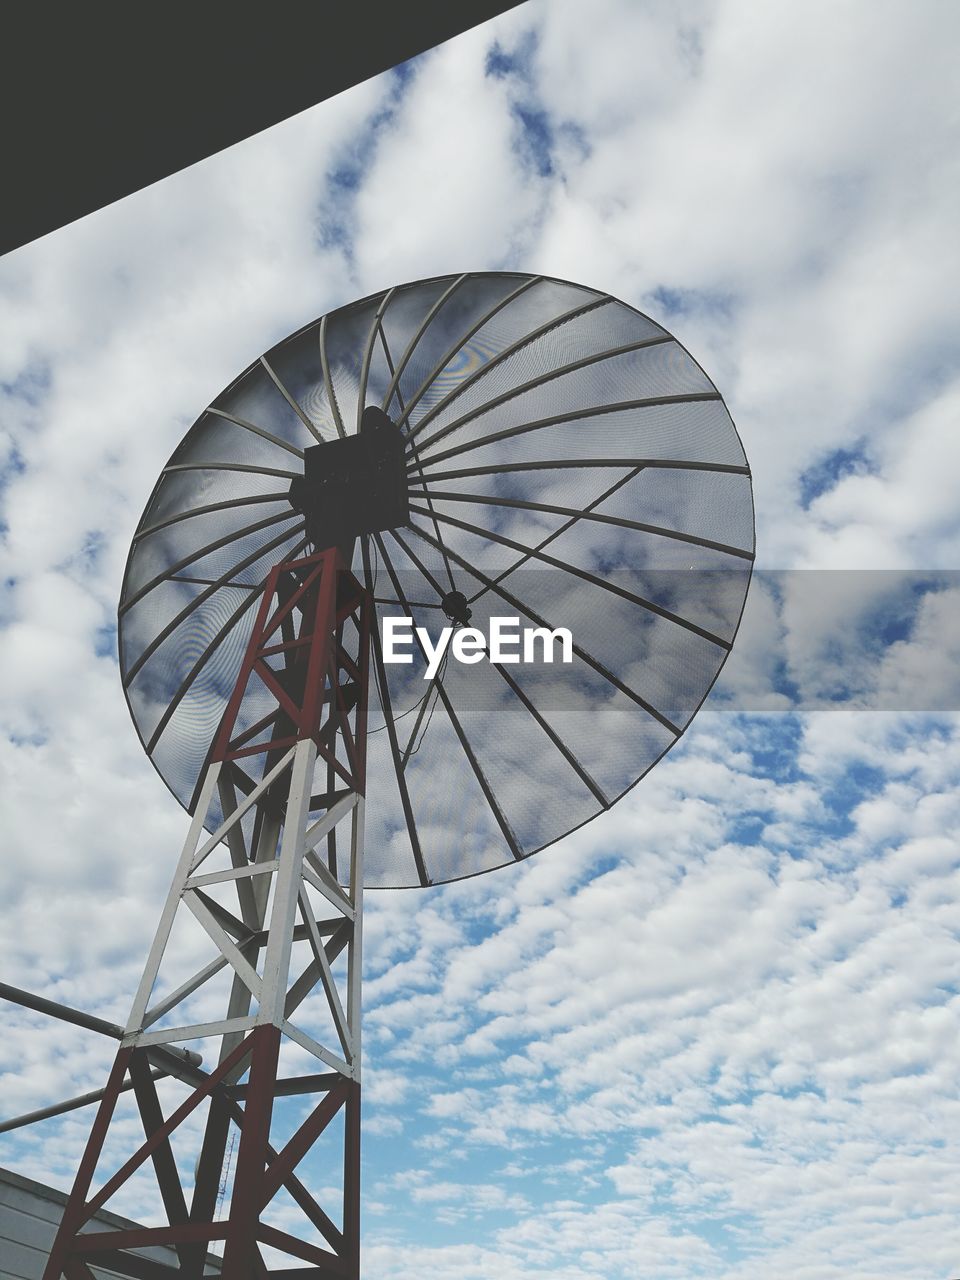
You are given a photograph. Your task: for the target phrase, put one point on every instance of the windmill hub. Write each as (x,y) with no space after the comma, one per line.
(354,485)
(454,605)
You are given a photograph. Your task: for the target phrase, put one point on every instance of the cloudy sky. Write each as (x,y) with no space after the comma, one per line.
(714,1034)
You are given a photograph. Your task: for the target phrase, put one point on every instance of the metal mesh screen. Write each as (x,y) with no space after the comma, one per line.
(570,466)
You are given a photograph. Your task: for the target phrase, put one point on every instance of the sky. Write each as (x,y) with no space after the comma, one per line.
(714,1032)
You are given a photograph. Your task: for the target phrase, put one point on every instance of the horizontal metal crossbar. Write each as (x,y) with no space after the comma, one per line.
(235,873)
(198,1031)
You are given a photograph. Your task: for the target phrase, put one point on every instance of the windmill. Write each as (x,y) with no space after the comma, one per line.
(323,642)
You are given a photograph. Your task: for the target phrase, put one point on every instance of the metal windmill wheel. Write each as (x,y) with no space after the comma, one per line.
(568,462)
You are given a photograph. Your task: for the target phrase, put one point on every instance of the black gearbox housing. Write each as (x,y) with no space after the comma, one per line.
(355,485)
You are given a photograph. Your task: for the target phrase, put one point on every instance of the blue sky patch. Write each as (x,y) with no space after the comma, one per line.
(672,302)
(536,137)
(335,223)
(535,131)
(105,641)
(31,384)
(827,472)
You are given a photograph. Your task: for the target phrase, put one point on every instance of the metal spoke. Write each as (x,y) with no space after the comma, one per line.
(203,511)
(274,378)
(567,524)
(446,559)
(229,466)
(416,561)
(571,759)
(585,575)
(387,708)
(328,380)
(554,323)
(596,517)
(554,737)
(425,700)
(555,464)
(572,415)
(386,352)
(485,787)
(200,552)
(535,618)
(211,582)
(462,342)
(397,374)
(259,431)
(572,367)
(414,604)
(205,595)
(368,353)
(422,709)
